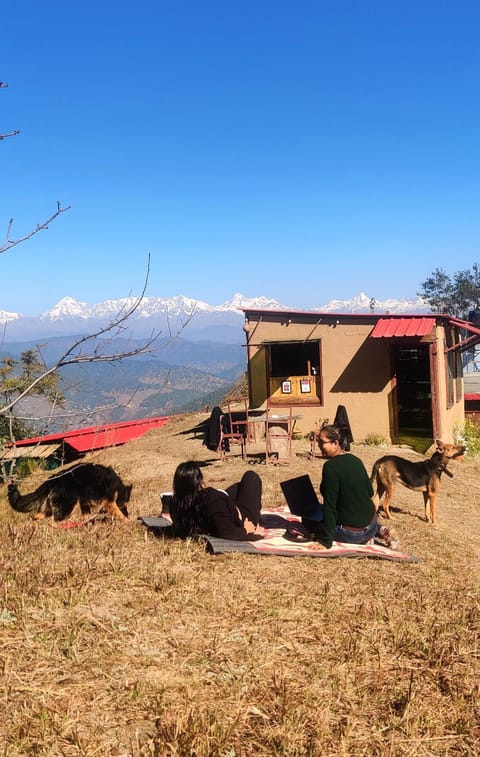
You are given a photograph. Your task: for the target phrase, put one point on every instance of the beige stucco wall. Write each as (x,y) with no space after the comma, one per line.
(355,372)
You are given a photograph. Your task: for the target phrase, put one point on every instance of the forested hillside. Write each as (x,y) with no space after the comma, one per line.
(179,376)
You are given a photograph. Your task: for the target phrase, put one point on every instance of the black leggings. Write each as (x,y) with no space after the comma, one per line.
(247,496)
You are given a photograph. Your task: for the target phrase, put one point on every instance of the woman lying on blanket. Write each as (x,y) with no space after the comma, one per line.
(348,511)
(200,509)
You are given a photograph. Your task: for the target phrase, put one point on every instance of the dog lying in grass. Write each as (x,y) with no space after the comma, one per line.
(423,476)
(89,485)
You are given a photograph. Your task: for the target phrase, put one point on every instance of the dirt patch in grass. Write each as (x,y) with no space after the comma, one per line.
(114,642)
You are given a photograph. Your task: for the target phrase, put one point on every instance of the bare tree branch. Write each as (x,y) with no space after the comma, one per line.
(10,134)
(183,324)
(9,243)
(4,85)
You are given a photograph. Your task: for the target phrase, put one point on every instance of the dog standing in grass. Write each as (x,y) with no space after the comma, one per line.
(423,476)
(89,485)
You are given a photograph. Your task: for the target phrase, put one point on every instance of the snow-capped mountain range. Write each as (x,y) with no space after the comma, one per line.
(177,305)
(204,321)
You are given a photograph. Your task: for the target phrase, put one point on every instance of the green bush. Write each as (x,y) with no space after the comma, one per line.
(374,440)
(468,434)
(28,465)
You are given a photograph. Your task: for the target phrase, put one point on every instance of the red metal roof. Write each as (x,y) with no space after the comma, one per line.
(401,327)
(98,437)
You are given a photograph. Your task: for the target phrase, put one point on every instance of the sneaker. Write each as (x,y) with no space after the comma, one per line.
(389,536)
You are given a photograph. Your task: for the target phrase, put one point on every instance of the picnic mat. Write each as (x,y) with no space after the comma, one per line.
(274,542)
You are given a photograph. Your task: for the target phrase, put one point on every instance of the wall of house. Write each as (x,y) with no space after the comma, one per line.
(355,371)
(448,419)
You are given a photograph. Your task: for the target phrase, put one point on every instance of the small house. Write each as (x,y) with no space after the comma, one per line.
(398,376)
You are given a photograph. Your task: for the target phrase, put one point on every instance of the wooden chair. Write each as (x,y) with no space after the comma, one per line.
(315,450)
(278,435)
(234,428)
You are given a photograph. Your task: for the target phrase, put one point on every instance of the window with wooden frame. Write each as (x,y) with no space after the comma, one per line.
(295,372)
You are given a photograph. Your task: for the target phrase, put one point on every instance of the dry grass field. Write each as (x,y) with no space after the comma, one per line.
(114,642)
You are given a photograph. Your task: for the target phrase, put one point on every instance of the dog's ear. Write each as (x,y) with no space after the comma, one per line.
(128,491)
(439,444)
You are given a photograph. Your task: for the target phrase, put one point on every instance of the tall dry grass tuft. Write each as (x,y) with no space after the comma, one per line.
(115,642)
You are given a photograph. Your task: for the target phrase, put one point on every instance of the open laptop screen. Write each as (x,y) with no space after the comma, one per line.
(302,498)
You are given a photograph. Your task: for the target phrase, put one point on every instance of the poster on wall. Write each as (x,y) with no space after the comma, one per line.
(286,387)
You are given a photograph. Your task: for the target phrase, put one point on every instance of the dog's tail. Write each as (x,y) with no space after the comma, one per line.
(376,483)
(373,474)
(25,503)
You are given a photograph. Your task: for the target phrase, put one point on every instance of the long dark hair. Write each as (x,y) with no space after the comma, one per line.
(186,507)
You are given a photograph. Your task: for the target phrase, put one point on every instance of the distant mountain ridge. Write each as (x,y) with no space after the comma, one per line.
(68,307)
(362,303)
(197,319)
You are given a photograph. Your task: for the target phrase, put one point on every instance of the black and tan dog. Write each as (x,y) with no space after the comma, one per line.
(89,485)
(423,476)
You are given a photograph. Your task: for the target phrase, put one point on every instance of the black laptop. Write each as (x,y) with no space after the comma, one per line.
(302,498)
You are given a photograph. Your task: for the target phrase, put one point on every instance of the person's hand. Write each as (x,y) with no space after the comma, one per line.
(249,527)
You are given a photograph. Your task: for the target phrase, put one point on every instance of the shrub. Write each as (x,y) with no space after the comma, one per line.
(468,434)
(375,440)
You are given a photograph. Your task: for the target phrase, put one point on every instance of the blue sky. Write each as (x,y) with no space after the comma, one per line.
(305,151)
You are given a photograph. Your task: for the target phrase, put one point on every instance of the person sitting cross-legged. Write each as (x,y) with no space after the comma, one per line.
(349,514)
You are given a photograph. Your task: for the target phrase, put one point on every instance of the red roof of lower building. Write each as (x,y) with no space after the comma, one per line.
(98,437)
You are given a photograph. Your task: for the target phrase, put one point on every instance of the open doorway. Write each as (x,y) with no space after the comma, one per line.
(414,396)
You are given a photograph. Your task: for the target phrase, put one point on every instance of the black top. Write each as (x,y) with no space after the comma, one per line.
(218,516)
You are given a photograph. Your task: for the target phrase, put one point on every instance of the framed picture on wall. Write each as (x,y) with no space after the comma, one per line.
(305,386)
(286,387)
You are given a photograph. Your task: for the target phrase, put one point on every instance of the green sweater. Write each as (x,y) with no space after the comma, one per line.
(347,496)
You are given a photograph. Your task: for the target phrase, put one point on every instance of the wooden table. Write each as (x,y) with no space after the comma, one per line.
(278,434)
